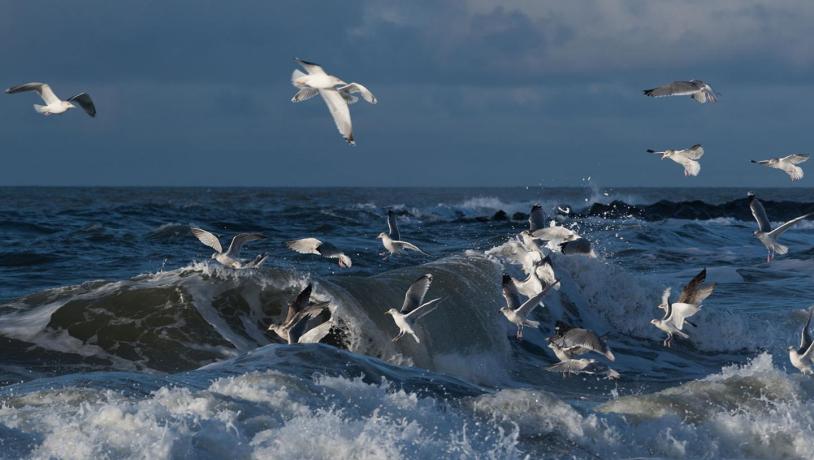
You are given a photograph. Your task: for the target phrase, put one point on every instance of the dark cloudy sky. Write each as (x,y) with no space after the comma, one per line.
(470,93)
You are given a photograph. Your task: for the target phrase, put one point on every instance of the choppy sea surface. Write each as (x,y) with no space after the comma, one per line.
(121,338)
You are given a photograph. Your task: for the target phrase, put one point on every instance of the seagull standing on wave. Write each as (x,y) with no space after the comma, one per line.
(764,231)
(53,104)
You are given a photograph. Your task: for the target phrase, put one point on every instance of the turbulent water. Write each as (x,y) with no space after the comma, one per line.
(120,337)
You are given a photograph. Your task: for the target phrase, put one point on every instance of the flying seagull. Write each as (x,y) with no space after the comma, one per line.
(53,104)
(802,357)
(321,248)
(583,366)
(696,89)
(336,93)
(229,258)
(688,158)
(299,312)
(569,342)
(695,292)
(764,231)
(536,218)
(519,315)
(787,164)
(391,241)
(414,307)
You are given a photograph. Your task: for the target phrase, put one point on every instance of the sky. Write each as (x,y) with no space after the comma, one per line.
(471,93)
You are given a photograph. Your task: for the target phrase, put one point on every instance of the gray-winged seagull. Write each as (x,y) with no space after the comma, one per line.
(53,104)
(764,231)
(320,248)
(787,164)
(229,258)
(298,314)
(696,89)
(519,315)
(414,307)
(688,158)
(569,342)
(687,304)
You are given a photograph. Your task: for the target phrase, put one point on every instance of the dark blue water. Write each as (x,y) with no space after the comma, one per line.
(121,338)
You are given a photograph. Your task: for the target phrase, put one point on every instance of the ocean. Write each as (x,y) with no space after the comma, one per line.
(121,338)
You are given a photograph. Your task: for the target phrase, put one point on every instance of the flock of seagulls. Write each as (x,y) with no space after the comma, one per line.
(568,342)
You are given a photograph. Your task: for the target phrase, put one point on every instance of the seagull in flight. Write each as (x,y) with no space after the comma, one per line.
(229,258)
(518,314)
(787,164)
(696,89)
(802,357)
(391,240)
(334,91)
(688,158)
(687,304)
(583,366)
(321,248)
(53,104)
(569,342)
(414,307)
(298,314)
(764,231)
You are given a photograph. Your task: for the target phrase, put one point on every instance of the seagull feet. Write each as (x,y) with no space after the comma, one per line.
(668,342)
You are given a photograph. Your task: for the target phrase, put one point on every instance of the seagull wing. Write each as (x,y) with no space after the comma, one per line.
(693,153)
(298,329)
(759,213)
(45,91)
(795,158)
(207,239)
(304,94)
(795,172)
(84,101)
(695,291)
(305,246)
(310,67)
(682,311)
(358,88)
(572,366)
(676,88)
(239,240)
(410,246)
(392,225)
(536,218)
(298,306)
(781,229)
(340,113)
(691,167)
(510,292)
(584,338)
(805,336)
(530,304)
(424,310)
(415,294)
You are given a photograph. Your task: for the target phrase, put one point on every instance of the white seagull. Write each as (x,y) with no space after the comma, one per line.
(336,93)
(764,231)
(802,357)
(53,104)
(787,164)
(518,315)
(320,248)
(583,366)
(414,307)
(687,304)
(696,89)
(688,158)
(229,258)
(569,342)
(391,240)
(298,314)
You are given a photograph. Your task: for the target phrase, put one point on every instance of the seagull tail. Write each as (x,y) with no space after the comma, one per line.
(531,323)
(40,109)
(780,249)
(297,73)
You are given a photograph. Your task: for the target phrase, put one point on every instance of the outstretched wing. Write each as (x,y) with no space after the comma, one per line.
(805,336)
(310,67)
(693,153)
(410,246)
(531,303)
(781,229)
(676,88)
(415,294)
(680,312)
(536,218)
(695,292)
(424,310)
(510,292)
(84,101)
(340,113)
(298,306)
(759,213)
(239,240)
(586,339)
(45,91)
(358,88)
(207,238)
(392,225)
(305,245)
(795,158)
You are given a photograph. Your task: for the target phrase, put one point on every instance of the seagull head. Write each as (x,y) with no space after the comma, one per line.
(214,255)
(790,348)
(68,105)
(655,322)
(381,236)
(391,312)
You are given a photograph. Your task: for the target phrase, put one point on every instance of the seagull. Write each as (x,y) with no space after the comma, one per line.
(787,164)
(414,307)
(336,93)
(577,246)
(321,248)
(764,231)
(298,314)
(536,218)
(554,233)
(519,315)
(696,89)
(688,158)
(688,304)
(583,366)
(53,104)
(801,358)
(573,341)
(695,292)
(229,258)
(391,240)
